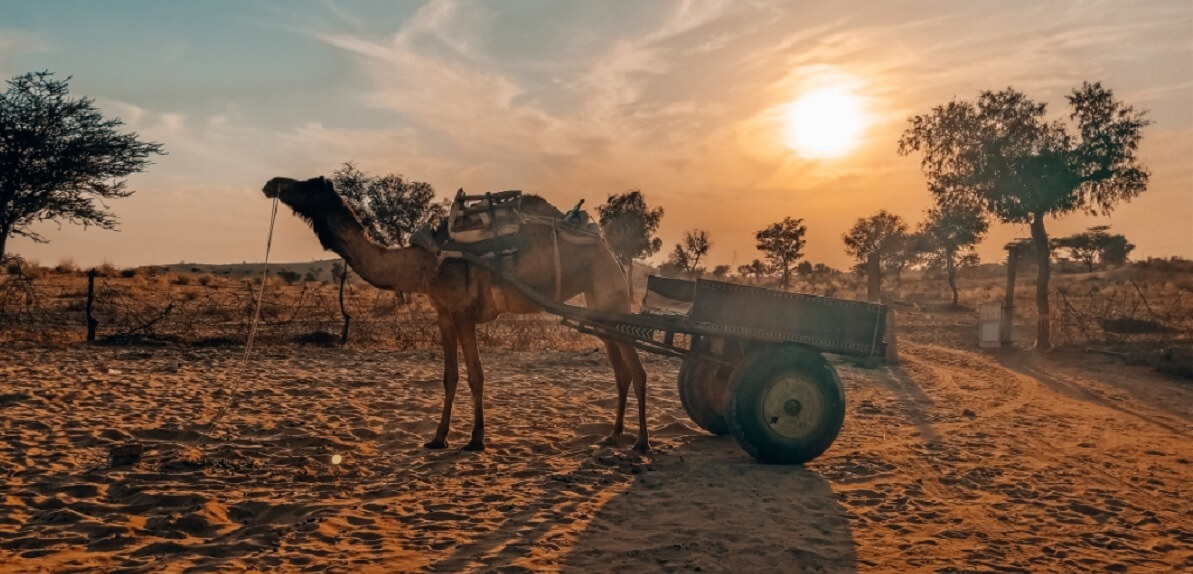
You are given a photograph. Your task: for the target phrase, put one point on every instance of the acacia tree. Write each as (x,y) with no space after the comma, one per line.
(948,237)
(755,268)
(1002,153)
(389,206)
(879,235)
(60,158)
(687,253)
(1096,245)
(629,224)
(783,243)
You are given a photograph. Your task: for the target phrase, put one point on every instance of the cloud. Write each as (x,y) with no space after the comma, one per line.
(17,43)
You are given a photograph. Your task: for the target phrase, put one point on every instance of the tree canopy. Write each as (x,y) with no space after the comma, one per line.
(688,252)
(880,233)
(629,226)
(389,206)
(60,158)
(1096,245)
(783,244)
(1002,153)
(946,239)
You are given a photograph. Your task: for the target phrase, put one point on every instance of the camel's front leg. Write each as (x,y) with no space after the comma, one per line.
(451,376)
(476,384)
(638,374)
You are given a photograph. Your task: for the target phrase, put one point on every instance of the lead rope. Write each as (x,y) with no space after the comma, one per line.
(558,267)
(248,344)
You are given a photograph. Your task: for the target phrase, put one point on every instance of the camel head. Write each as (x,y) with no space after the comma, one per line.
(316,202)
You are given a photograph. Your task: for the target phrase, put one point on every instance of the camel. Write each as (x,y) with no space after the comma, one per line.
(465,295)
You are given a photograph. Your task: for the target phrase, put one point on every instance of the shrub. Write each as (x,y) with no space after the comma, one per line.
(129,272)
(66,265)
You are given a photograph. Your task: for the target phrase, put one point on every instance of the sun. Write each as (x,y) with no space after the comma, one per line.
(825,123)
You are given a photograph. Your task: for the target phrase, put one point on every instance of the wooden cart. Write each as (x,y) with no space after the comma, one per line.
(753,358)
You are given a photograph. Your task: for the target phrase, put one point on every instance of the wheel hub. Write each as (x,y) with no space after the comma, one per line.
(792,406)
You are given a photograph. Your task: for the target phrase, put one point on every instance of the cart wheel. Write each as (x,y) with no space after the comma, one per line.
(702,395)
(787,405)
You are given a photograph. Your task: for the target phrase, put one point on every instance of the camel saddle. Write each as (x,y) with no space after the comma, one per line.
(490,225)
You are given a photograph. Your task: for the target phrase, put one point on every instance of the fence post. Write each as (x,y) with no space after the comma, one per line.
(1008,305)
(91,322)
(892,342)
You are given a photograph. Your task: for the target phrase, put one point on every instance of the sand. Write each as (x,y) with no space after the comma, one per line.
(953,461)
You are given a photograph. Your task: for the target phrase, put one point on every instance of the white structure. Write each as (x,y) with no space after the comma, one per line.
(989,320)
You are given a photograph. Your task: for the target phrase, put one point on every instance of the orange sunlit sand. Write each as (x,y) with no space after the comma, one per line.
(620,287)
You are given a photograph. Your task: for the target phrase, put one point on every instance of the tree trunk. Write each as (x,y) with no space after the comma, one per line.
(874,278)
(3,240)
(1008,303)
(786,277)
(343,310)
(1039,237)
(951,269)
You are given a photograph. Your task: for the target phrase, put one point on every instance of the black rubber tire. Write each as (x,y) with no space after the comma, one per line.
(703,395)
(787,373)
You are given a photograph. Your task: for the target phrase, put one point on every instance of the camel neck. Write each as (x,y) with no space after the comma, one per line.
(405,269)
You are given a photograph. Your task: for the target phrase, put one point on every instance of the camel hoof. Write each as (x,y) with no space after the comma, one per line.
(436,444)
(642,446)
(474,445)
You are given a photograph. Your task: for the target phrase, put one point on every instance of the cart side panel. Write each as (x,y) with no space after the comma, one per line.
(831,325)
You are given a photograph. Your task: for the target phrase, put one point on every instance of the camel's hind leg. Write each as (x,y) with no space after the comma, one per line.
(451,377)
(631,363)
(622,376)
(476,384)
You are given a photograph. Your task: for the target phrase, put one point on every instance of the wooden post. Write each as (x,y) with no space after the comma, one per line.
(1008,302)
(873,278)
(892,343)
(91,322)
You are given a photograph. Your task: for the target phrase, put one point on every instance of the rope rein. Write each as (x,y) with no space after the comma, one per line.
(248,345)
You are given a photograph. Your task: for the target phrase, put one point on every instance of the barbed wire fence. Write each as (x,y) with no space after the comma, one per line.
(47,307)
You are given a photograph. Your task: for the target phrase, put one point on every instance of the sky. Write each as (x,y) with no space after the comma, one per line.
(683,100)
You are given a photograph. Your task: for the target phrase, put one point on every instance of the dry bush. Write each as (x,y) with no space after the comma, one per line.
(106,269)
(66,265)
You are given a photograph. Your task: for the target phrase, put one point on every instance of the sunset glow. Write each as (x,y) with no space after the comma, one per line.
(825,123)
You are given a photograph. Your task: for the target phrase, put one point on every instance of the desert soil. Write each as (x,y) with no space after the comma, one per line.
(953,461)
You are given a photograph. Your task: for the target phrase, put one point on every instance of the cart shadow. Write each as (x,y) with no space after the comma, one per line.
(707,506)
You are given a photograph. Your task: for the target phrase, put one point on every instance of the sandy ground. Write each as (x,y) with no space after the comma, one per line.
(954,461)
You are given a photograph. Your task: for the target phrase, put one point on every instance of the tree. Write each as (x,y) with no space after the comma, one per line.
(629,224)
(755,268)
(948,237)
(1002,153)
(389,206)
(1096,245)
(783,243)
(60,158)
(720,271)
(876,236)
(687,253)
